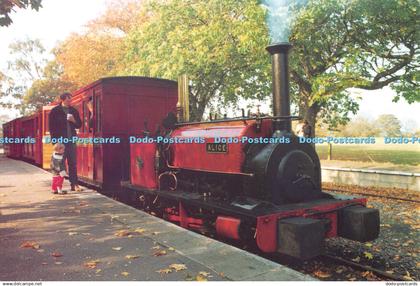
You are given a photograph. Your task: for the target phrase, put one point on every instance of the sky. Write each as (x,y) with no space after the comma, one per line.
(59,18)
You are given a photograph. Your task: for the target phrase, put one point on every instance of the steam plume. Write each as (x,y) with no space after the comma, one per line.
(280,16)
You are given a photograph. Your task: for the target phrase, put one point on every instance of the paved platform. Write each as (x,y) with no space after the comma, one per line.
(87,236)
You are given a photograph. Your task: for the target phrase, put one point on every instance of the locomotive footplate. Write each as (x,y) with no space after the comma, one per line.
(297,229)
(242,207)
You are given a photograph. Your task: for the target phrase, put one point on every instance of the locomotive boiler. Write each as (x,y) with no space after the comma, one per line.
(246,178)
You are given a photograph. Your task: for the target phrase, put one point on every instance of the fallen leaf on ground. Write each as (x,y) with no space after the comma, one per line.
(56,254)
(160,253)
(30,244)
(98,270)
(357,259)
(203,273)
(164,271)
(178,267)
(139,230)
(156,247)
(368,244)
(58,262)
(408,276)
(200,278)
(171,249)
(321,274)
(40,250)
(122,233)
(117,248)
(368,255)
(125,273)
(132,256)
(73,233)
(340,269)
(92,263)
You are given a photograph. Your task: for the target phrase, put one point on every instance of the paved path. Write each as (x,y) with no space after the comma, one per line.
(87,236)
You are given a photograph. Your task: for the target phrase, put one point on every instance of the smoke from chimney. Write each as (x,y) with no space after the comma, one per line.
(280,16)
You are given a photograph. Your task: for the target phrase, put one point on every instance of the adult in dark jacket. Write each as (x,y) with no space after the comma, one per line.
(63,122)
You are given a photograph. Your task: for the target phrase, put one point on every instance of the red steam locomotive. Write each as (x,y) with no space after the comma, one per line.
(245,178)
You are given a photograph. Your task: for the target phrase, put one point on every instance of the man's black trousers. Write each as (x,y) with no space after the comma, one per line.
(70,155)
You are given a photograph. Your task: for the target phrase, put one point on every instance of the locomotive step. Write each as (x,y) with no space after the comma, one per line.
(74,237)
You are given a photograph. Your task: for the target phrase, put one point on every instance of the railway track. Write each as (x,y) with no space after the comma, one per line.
(377,272)
(371,195)
(330,261)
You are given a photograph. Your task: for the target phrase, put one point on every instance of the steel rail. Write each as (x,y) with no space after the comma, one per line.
(371,195)
(375,271)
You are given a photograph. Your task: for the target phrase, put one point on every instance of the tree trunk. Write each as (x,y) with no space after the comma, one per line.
(310,115)
(197,106)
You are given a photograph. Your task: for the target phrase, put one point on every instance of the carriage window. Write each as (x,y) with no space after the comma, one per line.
(46,123)
(83,118)
(98,114)
(88,115)
(79,108)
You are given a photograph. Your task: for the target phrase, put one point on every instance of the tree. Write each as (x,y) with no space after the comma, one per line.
(86,58)
(48,88)
(365,44)
(389,125)
(27,60)
(7,6)
(99,51)
(360,127)
(80,59)
(219,44)
(120,17)
(337,44)
(31,81)
(3,119)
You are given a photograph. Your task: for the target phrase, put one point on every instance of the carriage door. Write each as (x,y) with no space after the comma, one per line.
(79,146)
(88,126)
(97,131)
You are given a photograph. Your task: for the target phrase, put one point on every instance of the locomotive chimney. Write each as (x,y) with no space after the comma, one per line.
(281,99)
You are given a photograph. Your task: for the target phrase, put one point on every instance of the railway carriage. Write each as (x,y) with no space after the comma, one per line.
(31,128)
(120,107)
(13,129)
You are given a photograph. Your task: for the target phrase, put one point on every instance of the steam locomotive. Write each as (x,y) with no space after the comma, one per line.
(268,192)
